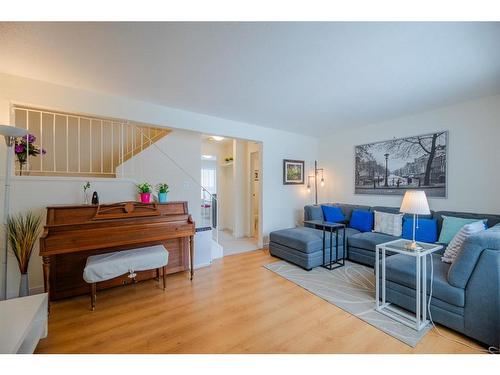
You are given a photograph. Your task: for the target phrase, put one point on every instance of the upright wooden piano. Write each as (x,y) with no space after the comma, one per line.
(72,233)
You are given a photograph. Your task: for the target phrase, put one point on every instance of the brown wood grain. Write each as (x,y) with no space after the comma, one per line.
(72,234)
(233,306)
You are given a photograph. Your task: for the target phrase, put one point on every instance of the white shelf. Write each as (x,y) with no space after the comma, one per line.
(23,323)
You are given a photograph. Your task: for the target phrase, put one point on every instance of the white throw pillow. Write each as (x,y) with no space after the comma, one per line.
(388,223)
(455,245)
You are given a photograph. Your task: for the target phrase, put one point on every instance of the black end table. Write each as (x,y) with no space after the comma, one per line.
(332,228)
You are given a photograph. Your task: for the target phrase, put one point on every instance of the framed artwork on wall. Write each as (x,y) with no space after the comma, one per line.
(392,167)
(293,172)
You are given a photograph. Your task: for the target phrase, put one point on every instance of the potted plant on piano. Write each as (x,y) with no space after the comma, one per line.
(162,192)
(145,192)
(23,231)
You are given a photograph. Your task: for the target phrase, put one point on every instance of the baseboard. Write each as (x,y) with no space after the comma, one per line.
(201,265)
(37,290)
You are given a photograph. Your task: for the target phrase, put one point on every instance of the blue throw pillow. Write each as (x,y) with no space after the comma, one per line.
(361,220)
(333,214)
(451,226)
(426,231)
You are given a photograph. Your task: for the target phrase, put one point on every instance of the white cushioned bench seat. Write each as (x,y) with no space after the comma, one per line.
(108,266)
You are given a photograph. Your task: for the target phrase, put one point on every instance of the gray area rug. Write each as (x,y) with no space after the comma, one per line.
(352,288)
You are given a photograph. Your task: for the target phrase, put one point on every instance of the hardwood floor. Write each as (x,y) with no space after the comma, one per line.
(233,306)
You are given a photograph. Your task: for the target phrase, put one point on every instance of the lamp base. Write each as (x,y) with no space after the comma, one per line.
(412,246)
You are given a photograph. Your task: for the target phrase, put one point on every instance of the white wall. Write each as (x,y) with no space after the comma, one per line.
(36,193)
(473,160)
(282,205)
(150,165)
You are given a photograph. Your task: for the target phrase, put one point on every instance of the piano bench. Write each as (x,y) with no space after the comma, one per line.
(108,266)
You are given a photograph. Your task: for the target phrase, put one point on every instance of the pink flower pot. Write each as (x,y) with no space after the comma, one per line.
(145,197)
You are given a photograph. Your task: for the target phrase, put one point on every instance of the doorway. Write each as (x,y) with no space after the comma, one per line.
(254,193)
(232,168)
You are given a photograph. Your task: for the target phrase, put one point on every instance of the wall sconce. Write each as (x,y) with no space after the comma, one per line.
(309,183)
(315,176)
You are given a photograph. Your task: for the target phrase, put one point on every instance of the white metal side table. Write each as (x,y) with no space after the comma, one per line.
(419,320)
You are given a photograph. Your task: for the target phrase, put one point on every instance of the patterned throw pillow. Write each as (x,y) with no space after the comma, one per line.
(455,246)
(388,223)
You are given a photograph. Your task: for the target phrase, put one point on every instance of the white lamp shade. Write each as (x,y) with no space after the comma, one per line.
(12,131)
(415,202)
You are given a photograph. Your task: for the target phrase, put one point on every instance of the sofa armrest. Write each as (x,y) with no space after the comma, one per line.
(482,300)
(313,212)
(461,269)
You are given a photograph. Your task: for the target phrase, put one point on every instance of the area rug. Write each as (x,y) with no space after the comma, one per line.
(352,288)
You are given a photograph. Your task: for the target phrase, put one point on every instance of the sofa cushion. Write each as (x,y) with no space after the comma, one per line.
(388,223)
(463,266)
(361,220)
(426,231)
(348,208)
(492,220)
(396,210)
(456,244)
(401,269)
(333,214)
(313,212)
(451,226)
(369,240)
(307,240)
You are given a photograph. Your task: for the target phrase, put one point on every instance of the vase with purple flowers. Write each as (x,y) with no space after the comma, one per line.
(25,147)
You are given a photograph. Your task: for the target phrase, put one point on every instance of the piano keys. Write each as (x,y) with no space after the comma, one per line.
(74,232)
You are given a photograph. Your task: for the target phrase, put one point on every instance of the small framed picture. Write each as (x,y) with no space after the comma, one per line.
(293,172)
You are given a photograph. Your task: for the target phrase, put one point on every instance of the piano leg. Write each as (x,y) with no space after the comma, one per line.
(46,277)
(164,277)
(191,255)
(93,293)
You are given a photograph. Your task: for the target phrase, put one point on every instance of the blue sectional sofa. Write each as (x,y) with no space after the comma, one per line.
(466,293)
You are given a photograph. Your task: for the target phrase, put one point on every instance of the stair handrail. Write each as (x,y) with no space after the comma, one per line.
(213,197)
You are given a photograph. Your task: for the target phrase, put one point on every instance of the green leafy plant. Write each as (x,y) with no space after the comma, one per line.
(162,188)
(144,188)
(86,186)
(23,231)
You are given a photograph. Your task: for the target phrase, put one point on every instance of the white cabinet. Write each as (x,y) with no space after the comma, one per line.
(23,322)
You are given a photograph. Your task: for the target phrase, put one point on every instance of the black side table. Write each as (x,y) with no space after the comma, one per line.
(332,228)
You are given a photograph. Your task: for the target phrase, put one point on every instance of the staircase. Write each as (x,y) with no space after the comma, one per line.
(148,136)
(82,146)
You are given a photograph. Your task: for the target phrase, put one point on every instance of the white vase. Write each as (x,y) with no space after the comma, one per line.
(86,197)
(24,286)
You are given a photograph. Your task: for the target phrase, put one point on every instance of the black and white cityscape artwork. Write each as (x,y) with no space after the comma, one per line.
(392,167)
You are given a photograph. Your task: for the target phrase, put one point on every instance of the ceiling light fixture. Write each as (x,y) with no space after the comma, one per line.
(217,138)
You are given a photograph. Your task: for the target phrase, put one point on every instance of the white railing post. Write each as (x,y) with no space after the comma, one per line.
(102,151)
(79,147)
(121,155)
(90,144)
(67,144)
(126,134)
(54,139)
(112,147)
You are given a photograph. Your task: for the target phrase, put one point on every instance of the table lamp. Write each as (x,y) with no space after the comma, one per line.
(415,203)
(10,133)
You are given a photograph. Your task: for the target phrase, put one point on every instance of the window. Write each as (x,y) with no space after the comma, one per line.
(208,178)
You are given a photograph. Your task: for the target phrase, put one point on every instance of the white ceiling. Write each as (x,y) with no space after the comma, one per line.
(308,78)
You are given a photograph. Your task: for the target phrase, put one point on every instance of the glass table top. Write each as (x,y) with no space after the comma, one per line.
(323,223)
(402,243)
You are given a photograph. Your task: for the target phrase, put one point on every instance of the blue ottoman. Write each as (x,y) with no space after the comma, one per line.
(303,246)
